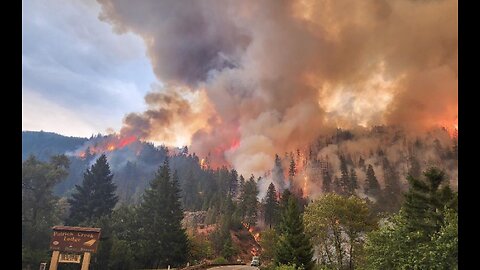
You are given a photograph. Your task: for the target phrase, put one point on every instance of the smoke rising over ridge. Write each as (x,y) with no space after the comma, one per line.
(248,79)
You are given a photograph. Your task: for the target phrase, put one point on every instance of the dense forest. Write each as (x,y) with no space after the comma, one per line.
(337,203)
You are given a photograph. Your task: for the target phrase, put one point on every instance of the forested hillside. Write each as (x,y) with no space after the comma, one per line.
(370,174)
(45,144)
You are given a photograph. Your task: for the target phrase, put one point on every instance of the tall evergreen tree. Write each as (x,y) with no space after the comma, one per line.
(163,240)
(344,177)
(292,170)
(277,172)
(95,197)
(425,201)
(392,191)
(337,186)
(249,201)
(233,182)
(271,206)
(327,182)
(286,194)
(241,186)
(372,187)
(424,233)
(352,183)
(293,246)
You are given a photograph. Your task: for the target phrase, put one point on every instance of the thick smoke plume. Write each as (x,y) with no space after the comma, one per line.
(248,79)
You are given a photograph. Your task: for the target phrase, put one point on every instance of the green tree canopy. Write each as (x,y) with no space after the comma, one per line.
(372,187)
(424,234)
(40,208)
(163,241)
(95,197)
(293,246)
(271,206)
(337,225)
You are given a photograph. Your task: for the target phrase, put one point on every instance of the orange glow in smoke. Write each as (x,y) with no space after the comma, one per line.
(451,128)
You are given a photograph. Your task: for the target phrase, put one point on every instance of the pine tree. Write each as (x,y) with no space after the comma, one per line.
(337,186)
(241,185)
(425,201)
(95,197)
(372,187)
(162,237)
(233,182)
(344,188)
(291,170)
(277,172)
(249,201)
(392,191)
(327,182)
(271,206)
(293,246)
(353,183)
(286,194)
(423,234)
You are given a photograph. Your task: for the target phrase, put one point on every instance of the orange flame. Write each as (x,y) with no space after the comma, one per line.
(305,186)
(203,164)
(109,144)
(450,127)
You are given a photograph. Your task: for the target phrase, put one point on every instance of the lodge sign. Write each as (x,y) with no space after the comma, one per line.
(75,239)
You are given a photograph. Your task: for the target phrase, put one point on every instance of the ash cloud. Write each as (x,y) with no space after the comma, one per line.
(280,73)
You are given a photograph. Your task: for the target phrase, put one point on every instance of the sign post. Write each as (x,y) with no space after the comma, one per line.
(54,260)
(72,241)
(86,261)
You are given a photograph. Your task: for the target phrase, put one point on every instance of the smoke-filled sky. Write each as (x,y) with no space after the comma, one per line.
(241,80)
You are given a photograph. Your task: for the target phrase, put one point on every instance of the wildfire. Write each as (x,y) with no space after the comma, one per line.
(109,144)
(257,237)
(305,186)
(451,128)
(203,163)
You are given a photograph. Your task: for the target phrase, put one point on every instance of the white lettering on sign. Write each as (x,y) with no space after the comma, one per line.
(69,258)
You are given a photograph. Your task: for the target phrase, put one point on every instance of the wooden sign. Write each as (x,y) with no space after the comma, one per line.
(69,258)
(75,239)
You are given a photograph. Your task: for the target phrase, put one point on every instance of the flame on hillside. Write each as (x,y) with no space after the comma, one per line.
(451,128)
(108,144)
(305,187)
